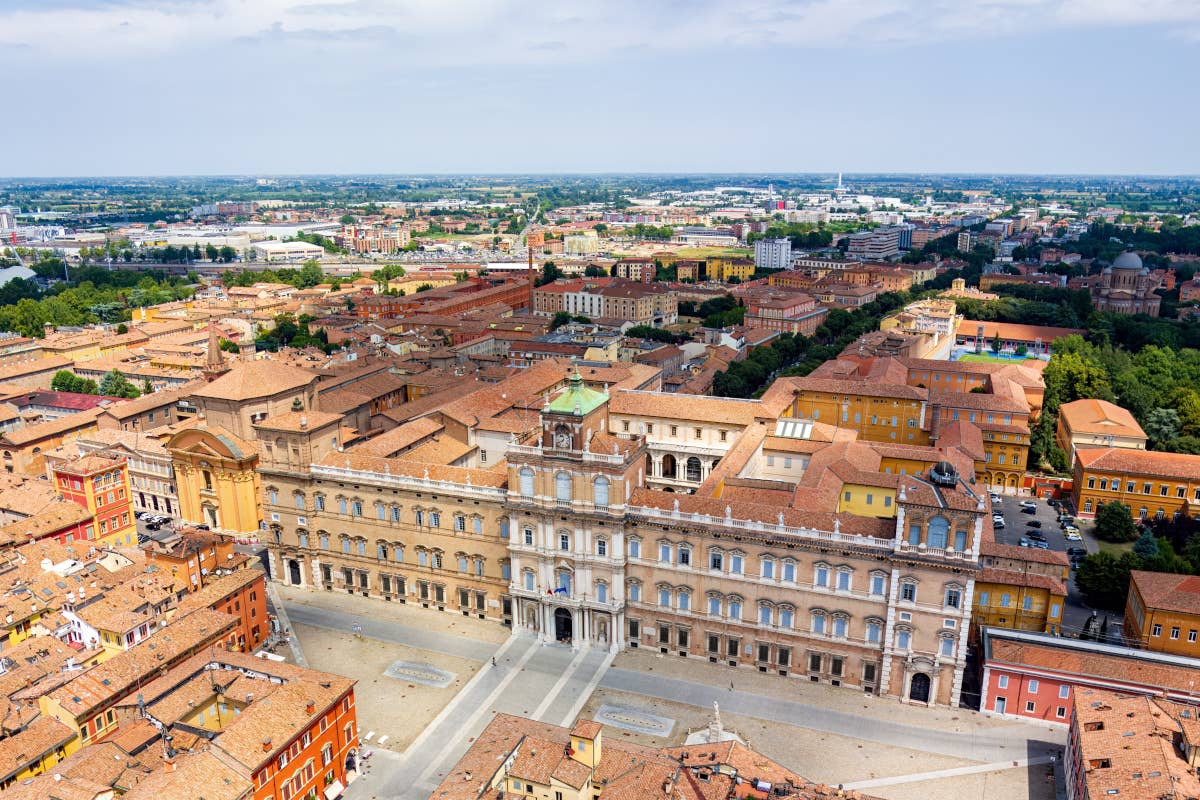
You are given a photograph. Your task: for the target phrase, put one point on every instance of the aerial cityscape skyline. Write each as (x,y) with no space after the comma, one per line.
(624,400)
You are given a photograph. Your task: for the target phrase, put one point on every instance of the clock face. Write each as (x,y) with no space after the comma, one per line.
(563,441)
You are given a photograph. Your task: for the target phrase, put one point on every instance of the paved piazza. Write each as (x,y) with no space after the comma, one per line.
(427,686)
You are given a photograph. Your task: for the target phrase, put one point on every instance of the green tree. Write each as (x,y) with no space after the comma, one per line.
(147,386)
(67,381)
(1163,427)
(594,271)
(1146,546)
(310,274)
(229,346)
(1113,523)
(347,219)
(122,329)
(114,384)
(997,344)
(1104,579)
(560,318)
(550,273)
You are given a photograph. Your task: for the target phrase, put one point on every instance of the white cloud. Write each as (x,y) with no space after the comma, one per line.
(489,32)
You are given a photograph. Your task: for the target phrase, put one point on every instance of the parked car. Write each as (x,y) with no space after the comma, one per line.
(1076,551)
(1074,537)
(1033,523)
(997,522)
(1053,503)
(153,526)
(1035,536)
(1041,544)
(203,527)
(1028,504)
(1028,510)
(1025,543)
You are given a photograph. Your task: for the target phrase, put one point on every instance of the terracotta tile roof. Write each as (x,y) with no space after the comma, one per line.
(114,678)
(193,775)
(1012,577)
(403,466)
(1085,661)
(1099,416)
(56,427)
(1127,746)
(1168,592)
(1012,551)
(1014,331)
(861,388)
(277,718)
(42,736)
(298,421)
(665,405)
(256,379)
(400,438)
(1123,460)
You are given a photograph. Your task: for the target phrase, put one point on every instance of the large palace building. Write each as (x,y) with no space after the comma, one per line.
(588,508)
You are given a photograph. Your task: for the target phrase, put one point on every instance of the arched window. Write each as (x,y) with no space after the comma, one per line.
(939,530)
(693,469)
(526,476)
(600,492)
(562,487)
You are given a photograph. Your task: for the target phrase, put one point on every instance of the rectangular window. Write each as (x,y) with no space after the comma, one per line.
(1174,632)
(1030,707)
(1002,682)
(814,662)
(664,553)
(1033,687)
(1156,630)
(843,581)
(1064,691)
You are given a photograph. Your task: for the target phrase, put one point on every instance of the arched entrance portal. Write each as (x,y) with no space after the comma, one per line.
(562,625)
(919,689)
(693,469)
(294,572)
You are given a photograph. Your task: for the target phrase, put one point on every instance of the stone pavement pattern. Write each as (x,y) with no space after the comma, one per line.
(552,683)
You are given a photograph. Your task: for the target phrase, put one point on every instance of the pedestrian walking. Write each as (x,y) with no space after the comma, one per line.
(493,661)
(357,631)
(731,686)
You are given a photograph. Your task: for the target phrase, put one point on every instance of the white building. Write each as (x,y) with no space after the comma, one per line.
(581,244)
(773,253)
(288,251)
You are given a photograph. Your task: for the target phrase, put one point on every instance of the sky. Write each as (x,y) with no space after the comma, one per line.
(169,87)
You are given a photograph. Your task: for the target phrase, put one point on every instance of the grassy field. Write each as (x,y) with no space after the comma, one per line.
(710,252)
(1114,548)
(988,358)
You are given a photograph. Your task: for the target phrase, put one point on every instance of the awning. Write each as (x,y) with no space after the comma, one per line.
(333,790)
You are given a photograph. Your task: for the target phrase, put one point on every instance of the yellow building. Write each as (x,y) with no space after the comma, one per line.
(35,749)
(1162,612)
(1020,588)
(722,268)
(1151,483)
(1096,423)
(878,412)
(217,480)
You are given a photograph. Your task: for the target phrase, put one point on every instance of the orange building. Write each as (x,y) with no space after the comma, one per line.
(1162,612)
(194,557)
(100,483)
(241,593)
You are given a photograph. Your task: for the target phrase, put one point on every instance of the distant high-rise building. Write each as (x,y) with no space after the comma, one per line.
(8,218)
(773,253)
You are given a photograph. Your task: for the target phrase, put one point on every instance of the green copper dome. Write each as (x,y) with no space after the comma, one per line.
(577,398)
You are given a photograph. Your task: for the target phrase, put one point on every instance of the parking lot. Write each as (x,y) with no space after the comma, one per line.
(1075,612)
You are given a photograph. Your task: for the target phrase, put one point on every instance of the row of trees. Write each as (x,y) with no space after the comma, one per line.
(290,331)
(26,309)
(1166,545)
(112,384)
